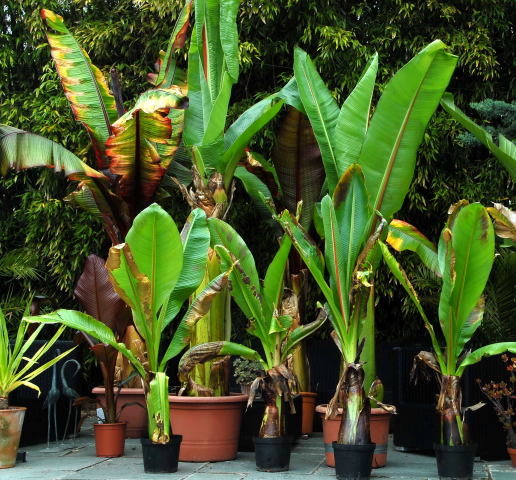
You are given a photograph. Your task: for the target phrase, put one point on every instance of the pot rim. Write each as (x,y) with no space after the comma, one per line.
(123,391)
(374,411)
(308,394)
(200,400)
(114,424)
(12,409)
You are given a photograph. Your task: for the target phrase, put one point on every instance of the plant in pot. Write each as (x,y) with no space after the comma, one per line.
(154,272)
(96,294)
(384,144)
(245,371)
(17,369)
(463,259)
(270,324)
(502,397)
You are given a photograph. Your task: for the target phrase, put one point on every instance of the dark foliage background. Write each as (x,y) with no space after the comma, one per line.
(51,239)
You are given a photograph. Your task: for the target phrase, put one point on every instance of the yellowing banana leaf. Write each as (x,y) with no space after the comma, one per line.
(84,85)
(404,236)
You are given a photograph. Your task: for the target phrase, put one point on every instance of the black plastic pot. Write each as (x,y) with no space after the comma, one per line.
(272,454)
(159,457)
(455,462)
(353,462)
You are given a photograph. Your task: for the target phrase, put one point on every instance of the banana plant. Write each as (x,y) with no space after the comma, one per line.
(218,151)
(132,153)
(464,258)
(270,321)
(348,257)
(154,271)
(505,151)
(384,143)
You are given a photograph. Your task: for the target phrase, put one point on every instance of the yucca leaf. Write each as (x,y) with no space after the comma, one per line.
(408,101)
(505,152)
(322,110)
(403,236)
(84,85)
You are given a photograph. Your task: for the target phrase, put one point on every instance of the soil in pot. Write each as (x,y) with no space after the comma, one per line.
(134,415)
(307,422)
(210,426)
(109,439)
(379,427)
(353,462)
(159,457)
(455,462)
(11,422)
(272,454)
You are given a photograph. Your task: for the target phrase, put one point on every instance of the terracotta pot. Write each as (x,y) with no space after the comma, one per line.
(109,439)
(512,454)
(11,421)
(307,411)
(210,426)
(379,427)
(134,415)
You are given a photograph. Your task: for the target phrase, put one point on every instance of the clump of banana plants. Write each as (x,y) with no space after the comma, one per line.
(270,321)
(154,271)
(463,261)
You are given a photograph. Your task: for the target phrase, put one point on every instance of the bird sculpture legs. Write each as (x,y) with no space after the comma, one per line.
(72,395)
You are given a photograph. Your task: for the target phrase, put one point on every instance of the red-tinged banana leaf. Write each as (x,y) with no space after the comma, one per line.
(20,150)
(97,198)
(404,236)
(299,166)
(98,297)
(134,156)
(168,67)
(84,85)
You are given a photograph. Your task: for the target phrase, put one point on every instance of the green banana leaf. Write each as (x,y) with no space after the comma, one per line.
(396,130)
(274,277)
(322,110)
(195,238)
(476,355)
(505,152)
(84,85)
(89,325)
(353,120)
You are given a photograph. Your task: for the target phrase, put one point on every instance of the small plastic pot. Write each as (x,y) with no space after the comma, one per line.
(455,461)
(353,462)
(272,454)
(161,457)
(109,439)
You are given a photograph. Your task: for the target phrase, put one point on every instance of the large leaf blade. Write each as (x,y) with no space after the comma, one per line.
(84,85)
(409,100)
(322,110)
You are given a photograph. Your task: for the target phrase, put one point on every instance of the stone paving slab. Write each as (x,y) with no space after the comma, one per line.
(307,462)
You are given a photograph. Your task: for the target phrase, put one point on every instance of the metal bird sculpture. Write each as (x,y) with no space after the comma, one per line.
(70,393)
(51,401)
